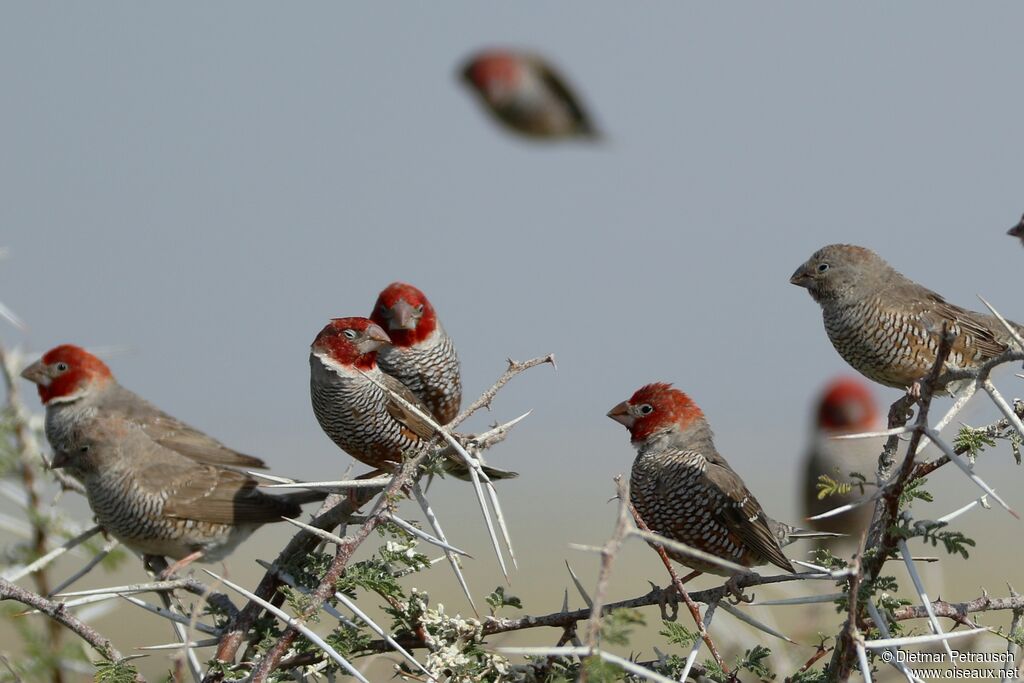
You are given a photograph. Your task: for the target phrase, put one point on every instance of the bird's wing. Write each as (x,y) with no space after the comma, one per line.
(984,334)
(212,494)
(412,422)
(176,435)
(743,515)
(558,85)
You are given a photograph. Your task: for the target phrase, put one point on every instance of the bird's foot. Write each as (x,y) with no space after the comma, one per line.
(734,591)
(170,572)
(914,390)
(667,598)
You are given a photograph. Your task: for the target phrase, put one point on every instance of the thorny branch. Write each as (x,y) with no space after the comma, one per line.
(608,554)
(880,537)
(514,368)
(57,612)
(338,510)
(333,513)
(690,604)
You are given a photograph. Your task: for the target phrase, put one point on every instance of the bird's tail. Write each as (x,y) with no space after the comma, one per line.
(787,533)
(302,497)
(459,470)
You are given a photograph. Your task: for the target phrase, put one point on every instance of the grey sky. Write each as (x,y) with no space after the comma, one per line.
(208,184)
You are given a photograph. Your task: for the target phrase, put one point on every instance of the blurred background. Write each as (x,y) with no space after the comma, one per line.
(206,186)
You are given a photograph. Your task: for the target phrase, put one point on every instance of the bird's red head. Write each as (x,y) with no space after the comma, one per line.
(494,71)
(655,408)
(351,342)
(405,313)
(66,372)
(847,405)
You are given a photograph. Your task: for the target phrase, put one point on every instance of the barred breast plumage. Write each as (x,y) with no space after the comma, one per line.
(888,327)
(159,502)
(430,370)
(352,411)
(685,490)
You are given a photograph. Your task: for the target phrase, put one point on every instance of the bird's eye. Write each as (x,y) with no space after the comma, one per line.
(646,409)
(385,310)
(419,309)
(62,367)
(822,267)
(350,334)
(84,449)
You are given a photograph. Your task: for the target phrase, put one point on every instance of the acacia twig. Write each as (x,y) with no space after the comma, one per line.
(57,612)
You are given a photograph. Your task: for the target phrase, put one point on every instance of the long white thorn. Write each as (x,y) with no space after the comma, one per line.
(13,319)
(966,469)
(493,495)
(296,624)
(579,585)
(344,599)
(824,571)
(689,551)
(872,435)
(742,616)
(1003,406)
(475,471)
(209,642)
(883,643)
(908,561)
(316,531)
(946,519)
(13,575)
(270,477)
(803,600)
(962,397)
(290,580)
(633,667)
(128,588)
(846,507)
(341,486)
(167,614)
(435,524)
(1009,328)
(421,534)
(692,657)
(862,657)
(96,559)
(883,628)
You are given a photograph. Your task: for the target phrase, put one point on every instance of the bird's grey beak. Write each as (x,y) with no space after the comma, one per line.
(800,278)
(621,414)
(1017,230)
(403,316)
(373,339)
(60,460)
(36,373)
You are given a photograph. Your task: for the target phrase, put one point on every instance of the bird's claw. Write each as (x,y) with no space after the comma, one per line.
(914,390)
(734,591)
(668,597)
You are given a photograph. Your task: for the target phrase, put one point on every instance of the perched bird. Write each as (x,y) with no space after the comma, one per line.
(1017,230)
(527,95)
(846,407)
(421,354)
(159,502)
(684,490)
(73,384)
(357,414)
(889,327)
